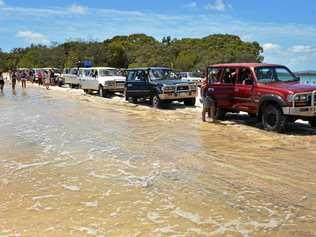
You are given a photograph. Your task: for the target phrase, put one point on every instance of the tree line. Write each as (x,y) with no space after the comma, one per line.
(136,50)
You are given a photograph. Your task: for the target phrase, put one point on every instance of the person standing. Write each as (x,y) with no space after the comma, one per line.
(24,77)
(31,76)
(208,102)
(47,79)
(1,83)
(40,76)
(14,77)
(51,75)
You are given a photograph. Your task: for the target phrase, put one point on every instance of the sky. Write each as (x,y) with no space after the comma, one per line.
(285,29)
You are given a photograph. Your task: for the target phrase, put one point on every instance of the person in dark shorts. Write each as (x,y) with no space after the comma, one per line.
(208,102)
(14,78)
(1,83)
(24,77)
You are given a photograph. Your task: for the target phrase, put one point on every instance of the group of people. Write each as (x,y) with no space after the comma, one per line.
(45,78)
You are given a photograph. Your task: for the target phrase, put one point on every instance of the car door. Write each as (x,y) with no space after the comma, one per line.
(222,86)
(86,80)
(244,91)
(137,84)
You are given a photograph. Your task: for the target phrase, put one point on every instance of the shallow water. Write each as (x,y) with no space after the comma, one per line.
(74,165)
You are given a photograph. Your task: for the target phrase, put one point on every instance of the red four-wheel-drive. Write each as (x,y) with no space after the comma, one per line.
(270,92)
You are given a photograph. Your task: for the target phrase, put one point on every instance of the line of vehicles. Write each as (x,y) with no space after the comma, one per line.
(159,85)
(271,93)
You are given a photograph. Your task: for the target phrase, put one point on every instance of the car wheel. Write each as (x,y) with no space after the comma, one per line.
(101,91)
(125,95)
(273,119)
(134,100)
(312,122)
(220,113)
(156,102)
(189,102)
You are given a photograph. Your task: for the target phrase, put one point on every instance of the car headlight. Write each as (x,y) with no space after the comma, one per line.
(193,87)
(303,97)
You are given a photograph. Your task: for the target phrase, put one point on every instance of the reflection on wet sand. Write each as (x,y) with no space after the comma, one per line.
(85,166)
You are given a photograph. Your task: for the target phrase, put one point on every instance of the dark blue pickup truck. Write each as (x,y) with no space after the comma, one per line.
(160,85)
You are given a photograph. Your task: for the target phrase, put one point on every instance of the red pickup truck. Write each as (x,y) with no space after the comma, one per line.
(270,92)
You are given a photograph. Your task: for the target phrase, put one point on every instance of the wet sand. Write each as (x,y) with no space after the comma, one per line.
(79,165)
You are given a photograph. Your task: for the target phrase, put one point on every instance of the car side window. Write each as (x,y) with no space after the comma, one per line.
(245,77)
(183,75)
(131,75)
(229,76)
(141,75)
(214,75)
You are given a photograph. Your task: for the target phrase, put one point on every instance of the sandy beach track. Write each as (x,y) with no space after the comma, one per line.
(73,164)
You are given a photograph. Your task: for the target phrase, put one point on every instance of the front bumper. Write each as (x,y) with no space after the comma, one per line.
(303,111)
(308,111)
(178,95)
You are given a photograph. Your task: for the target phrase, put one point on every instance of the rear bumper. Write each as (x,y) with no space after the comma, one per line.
(309,111)
(178,96)
(115,86)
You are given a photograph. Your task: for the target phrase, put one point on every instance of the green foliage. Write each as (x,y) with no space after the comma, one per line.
(138,50)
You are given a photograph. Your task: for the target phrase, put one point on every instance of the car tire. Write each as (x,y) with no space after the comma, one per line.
(190,102)
(125,95)
(312,122)
(220,114)
(156,102)
(273,119)
(101,91)
(134,100)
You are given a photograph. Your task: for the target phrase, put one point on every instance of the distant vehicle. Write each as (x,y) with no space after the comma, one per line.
(105,80)
(56,71)
(160,85)
(270,92)
(192,76)
(63,73)
(71,77)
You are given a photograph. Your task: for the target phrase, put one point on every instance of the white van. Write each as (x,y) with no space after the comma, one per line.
(71,77)
(105,80)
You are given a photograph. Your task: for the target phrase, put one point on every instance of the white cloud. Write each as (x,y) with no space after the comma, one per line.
(191,5)
(2,3)
(306,49)
(218,5)
(270,47)
(78,9)
(32,36)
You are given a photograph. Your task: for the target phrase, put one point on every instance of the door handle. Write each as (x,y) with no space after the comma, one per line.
(129,85)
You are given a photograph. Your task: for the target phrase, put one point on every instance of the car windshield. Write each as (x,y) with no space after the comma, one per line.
(108,72)
(274,74)
(195,74)
(162,74)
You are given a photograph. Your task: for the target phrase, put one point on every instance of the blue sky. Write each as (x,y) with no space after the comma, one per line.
(286,29)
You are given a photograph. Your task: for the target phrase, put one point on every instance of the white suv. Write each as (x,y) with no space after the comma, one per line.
(105,80)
